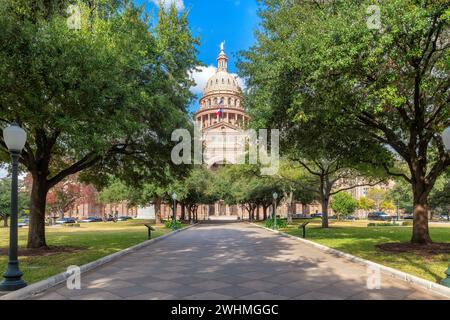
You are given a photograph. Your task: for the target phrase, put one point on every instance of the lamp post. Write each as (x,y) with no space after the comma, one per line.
(398,210)
(446,138)
(174,218)
(15,138)
(274,213)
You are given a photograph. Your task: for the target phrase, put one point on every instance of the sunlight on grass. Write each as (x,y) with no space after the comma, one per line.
(95,240)
(357,239)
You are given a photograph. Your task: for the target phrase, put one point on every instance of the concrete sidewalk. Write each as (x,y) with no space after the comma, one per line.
(232,261)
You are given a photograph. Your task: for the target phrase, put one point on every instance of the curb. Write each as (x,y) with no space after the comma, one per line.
(53,281)
(394,273)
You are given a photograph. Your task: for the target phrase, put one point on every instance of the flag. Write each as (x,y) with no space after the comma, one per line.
(219,112)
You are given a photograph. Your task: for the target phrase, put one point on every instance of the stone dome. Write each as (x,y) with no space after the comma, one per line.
(222,81)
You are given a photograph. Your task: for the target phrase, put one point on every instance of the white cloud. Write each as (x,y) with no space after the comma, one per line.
(201,77)
(167,3)
(203,74)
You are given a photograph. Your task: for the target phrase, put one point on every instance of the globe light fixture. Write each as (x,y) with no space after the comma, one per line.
(174,218)
(15,138)
(446,138)
(274,213)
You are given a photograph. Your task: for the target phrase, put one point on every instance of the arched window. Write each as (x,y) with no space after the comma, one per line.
(223,81)
(217,81)
(229,100)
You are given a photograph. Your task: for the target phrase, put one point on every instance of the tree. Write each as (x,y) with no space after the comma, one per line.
(63,196)
(197,189)
(440,195)
(401,194)
(344,204)
(244,185)
(104,97)
(388,83)
(296,185)
(366,204)
(115,193)
(387,205)
(378,196)
(5,199)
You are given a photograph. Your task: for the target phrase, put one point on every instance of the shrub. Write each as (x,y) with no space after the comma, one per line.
(385,224)
(72,225)
(281,223)
(169,224)
(407,223)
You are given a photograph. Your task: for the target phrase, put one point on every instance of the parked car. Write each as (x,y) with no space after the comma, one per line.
(444,217)
(124,218)
(317,215)
(351,218)
(23,223)
(66,221)
(408,216)
(92,219)
(379,216)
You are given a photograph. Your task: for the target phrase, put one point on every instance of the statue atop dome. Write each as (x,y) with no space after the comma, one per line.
(222,60)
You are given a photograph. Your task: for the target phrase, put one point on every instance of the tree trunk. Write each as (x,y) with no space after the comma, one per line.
(325,190)
(36,232)
(258,217)
(421,233)
(264,213)
(290,207)
(158,202)
(325,201)
(183,212)
(5,221)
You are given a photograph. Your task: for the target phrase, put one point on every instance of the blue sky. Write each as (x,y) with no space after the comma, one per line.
(232,21)
(214,21)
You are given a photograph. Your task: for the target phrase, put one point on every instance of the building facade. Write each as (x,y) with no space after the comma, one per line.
(222,117)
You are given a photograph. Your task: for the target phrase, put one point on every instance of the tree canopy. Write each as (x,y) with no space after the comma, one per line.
(106,96)
(317,66)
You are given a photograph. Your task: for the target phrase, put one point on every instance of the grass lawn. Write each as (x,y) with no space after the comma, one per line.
(357,239)
(94,241)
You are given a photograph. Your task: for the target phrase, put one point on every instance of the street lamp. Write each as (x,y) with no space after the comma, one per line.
(446,138)
(174,218)
(15,138)
(274,213)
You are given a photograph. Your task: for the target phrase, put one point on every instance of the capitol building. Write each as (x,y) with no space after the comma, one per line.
(222,121)
(222,118)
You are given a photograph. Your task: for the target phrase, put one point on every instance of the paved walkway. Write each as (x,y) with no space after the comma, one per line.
(232,261)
